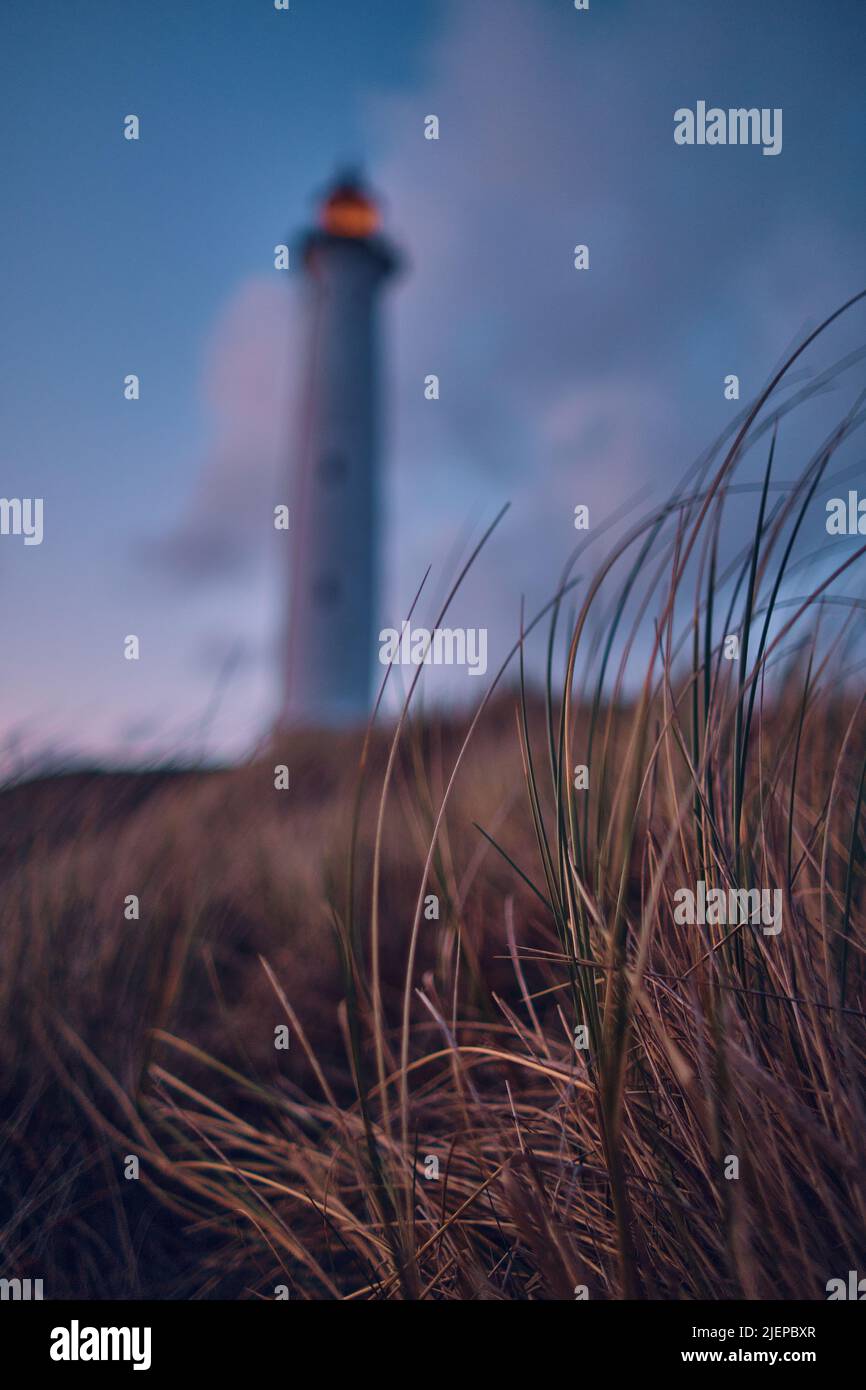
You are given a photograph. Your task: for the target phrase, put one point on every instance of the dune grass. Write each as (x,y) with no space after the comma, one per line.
(441,1126)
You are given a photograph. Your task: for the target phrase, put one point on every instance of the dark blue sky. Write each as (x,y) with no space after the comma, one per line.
(155,257)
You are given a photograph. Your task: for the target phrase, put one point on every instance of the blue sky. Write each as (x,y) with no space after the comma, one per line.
(155,257)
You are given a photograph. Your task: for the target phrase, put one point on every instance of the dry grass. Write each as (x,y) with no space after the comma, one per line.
(453,1039)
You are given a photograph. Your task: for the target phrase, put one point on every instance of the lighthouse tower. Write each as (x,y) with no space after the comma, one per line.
(335,500)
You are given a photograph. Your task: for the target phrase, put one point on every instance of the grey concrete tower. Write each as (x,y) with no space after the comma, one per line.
(335,499)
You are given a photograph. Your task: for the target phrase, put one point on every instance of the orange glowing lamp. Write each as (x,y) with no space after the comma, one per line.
(348,212)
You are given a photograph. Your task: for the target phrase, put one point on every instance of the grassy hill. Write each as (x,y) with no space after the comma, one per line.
(557,1167)
(514,1068)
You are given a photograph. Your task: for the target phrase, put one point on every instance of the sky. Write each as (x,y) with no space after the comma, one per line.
(558,387)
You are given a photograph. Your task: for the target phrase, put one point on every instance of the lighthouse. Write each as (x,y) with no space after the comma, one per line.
(336,506)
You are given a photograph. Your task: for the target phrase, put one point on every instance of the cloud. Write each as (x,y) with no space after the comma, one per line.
(246,387)
(557,385)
